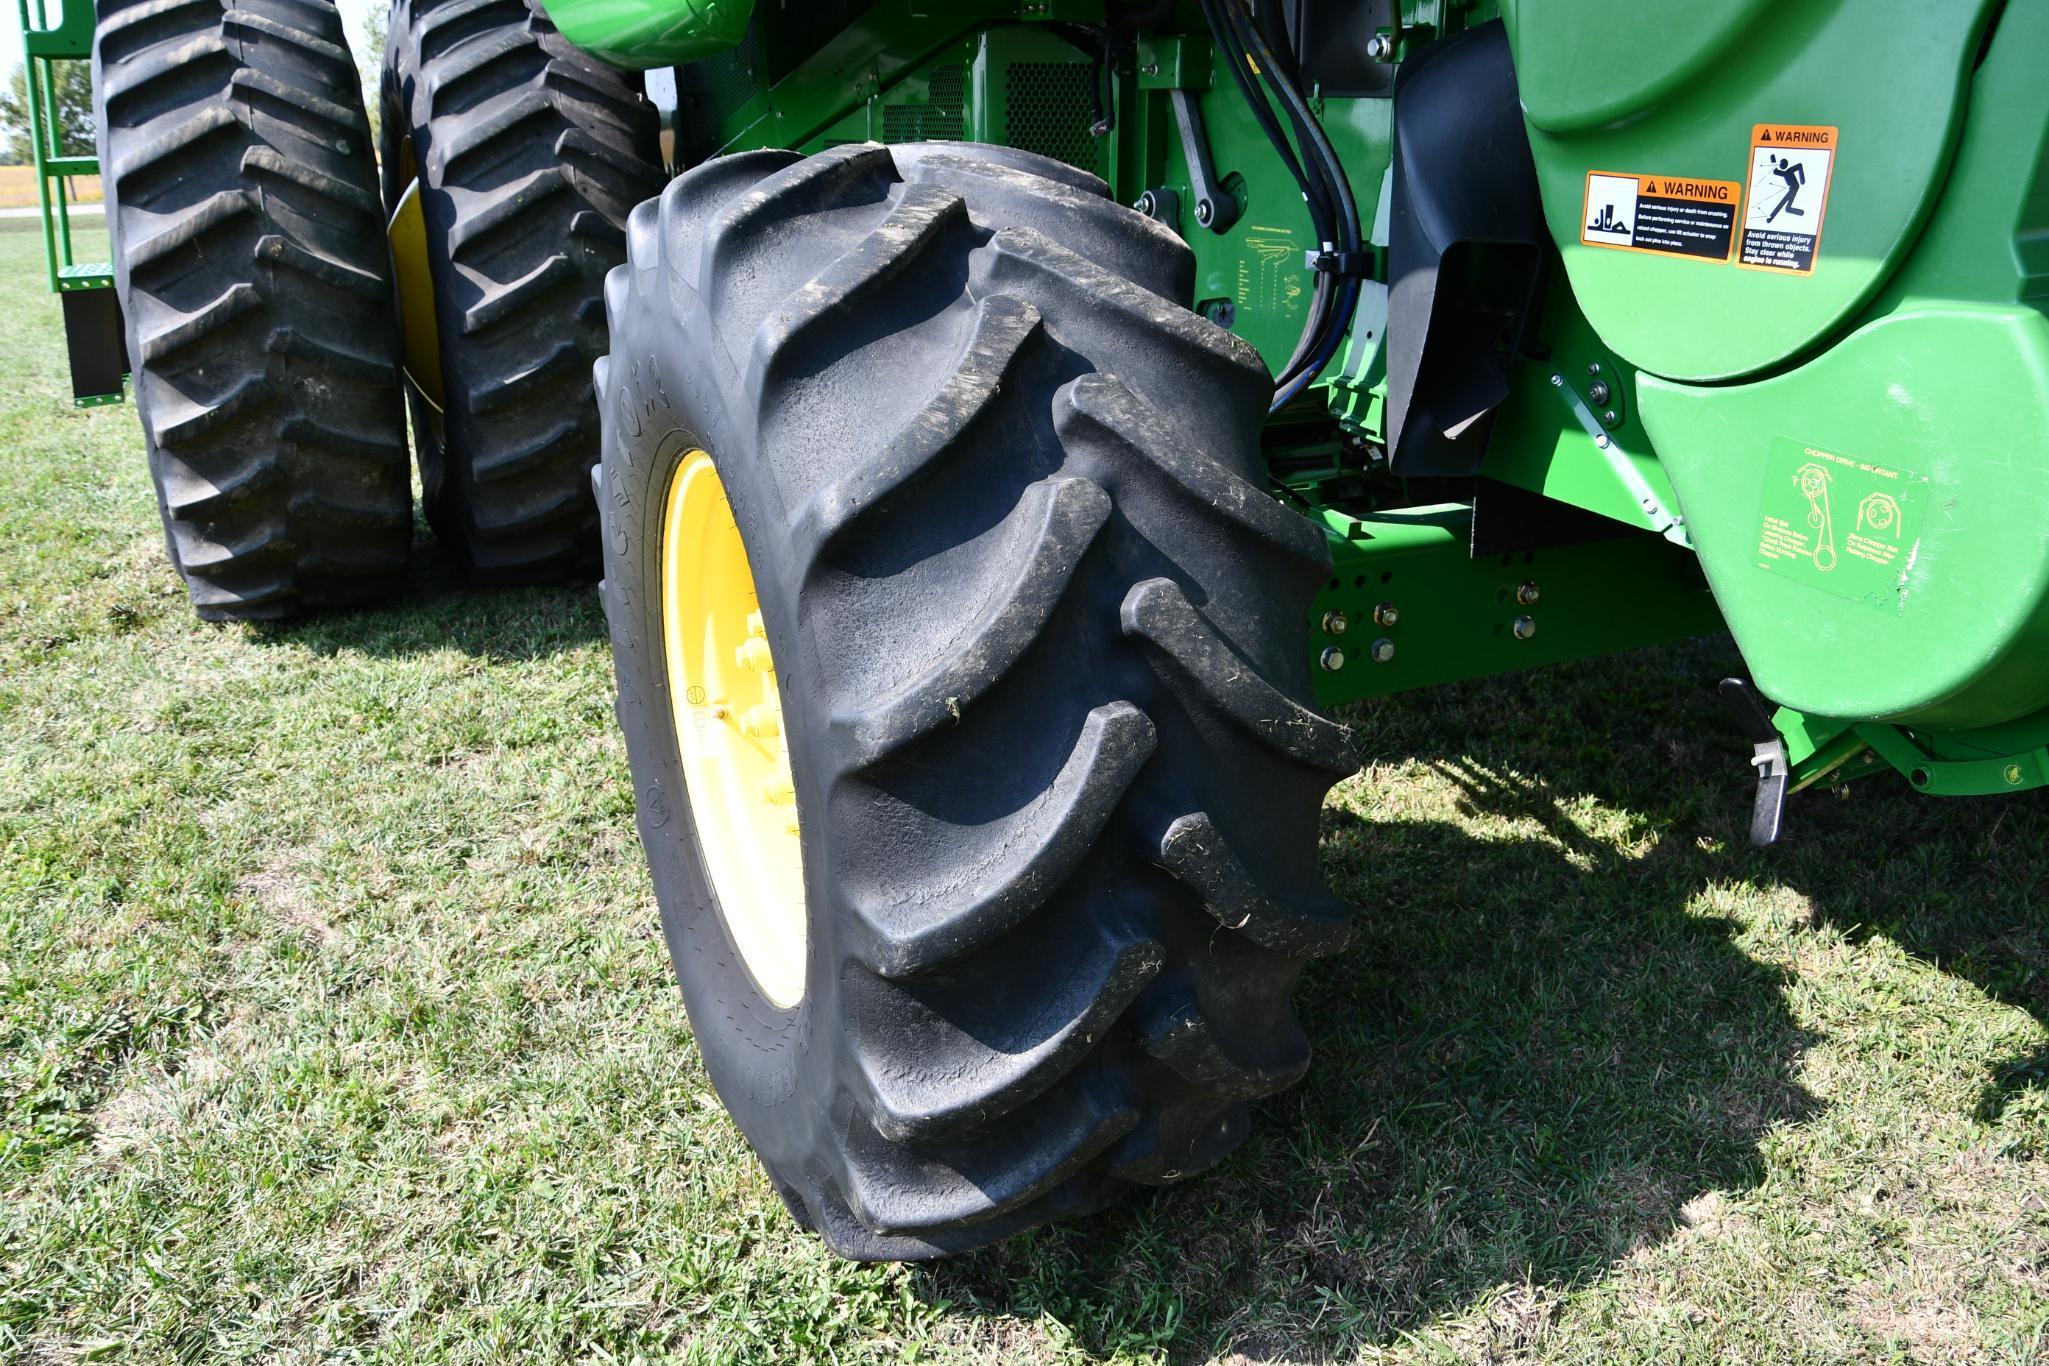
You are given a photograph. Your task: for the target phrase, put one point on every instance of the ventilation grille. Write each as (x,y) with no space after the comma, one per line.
(719,85)
(944,118)
(1050,112)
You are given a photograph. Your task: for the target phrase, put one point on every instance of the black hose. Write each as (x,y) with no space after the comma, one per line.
(1320,211)
(1315,193)
(1304,119)
(1322,336)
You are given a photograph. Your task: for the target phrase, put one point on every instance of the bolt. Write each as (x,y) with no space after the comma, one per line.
(1597,392)
(1332,659)
(1334,623)
(1380,47)
(1526,594)
(1593,367)
(1382,651)
(1147,205)
(1610,417)
(1602,441)
(1524,627)
(1205,211)
(1150,69)
(1386,614)
(1557,381)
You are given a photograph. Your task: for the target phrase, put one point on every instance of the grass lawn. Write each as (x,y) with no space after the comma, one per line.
(334,1020)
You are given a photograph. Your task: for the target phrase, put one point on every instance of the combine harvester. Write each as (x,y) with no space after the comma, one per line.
(1009,424)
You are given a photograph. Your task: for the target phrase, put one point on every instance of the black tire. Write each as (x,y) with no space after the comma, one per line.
(1041,641)
(529,154)
(250,263)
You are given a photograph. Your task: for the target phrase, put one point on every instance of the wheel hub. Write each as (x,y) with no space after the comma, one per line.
(729,731)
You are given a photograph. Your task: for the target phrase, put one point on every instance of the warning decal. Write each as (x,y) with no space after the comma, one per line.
(1787,196)
(1664,215)
(1846,526)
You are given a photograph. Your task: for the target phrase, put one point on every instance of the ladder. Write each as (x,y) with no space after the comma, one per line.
(92,316)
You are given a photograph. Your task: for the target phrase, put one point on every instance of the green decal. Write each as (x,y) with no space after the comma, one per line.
(1846,526)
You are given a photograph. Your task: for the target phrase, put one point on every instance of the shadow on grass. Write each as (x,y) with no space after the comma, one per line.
(1953,882)
(1545,1050)
(438,612)
(1538,1053)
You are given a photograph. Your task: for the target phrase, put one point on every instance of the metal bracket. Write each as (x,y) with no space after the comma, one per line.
(1767,756)
(1215,209)
(1657,516)
(95,342)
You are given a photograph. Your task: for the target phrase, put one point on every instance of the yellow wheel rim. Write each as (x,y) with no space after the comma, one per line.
(729,731)
(419,332)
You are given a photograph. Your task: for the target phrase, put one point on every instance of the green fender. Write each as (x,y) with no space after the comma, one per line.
(639,34)
(1872,520)
(1620,88)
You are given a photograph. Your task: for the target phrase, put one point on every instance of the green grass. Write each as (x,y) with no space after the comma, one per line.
(334,1021)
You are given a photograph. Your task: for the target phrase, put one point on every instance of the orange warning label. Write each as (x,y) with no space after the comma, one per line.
(1664,215)
(1787,196)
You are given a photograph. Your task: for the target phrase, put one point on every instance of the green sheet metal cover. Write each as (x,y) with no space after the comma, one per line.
(1872,521)
(640,34)
(1676,91)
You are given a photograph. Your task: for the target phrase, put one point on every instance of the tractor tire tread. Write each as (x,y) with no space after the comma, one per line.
(526,193)
(255,286)
(1032,1008)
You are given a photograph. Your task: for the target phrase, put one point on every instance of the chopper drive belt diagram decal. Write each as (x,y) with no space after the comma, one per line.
(1787,196)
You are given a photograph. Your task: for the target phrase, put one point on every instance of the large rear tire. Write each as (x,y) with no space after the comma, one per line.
(1039,634)
(250,262)
(529,155)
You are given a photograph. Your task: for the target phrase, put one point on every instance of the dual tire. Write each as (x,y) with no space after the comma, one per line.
(251,265)
(528,156)
(256,290)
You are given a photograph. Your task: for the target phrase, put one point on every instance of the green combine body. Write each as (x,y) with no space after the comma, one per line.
(1649,319)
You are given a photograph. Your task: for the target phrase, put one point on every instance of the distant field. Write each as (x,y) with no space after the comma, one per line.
(18,188)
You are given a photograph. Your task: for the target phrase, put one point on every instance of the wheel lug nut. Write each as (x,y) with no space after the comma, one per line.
(754,654)
(754,626)
(761,723)
(777,792)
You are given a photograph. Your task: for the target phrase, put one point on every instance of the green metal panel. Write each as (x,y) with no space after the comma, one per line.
(1940,404)
(1582,64)
(1419,609)
(1570,428)
(1676,91)
(639,34)
(836,93)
